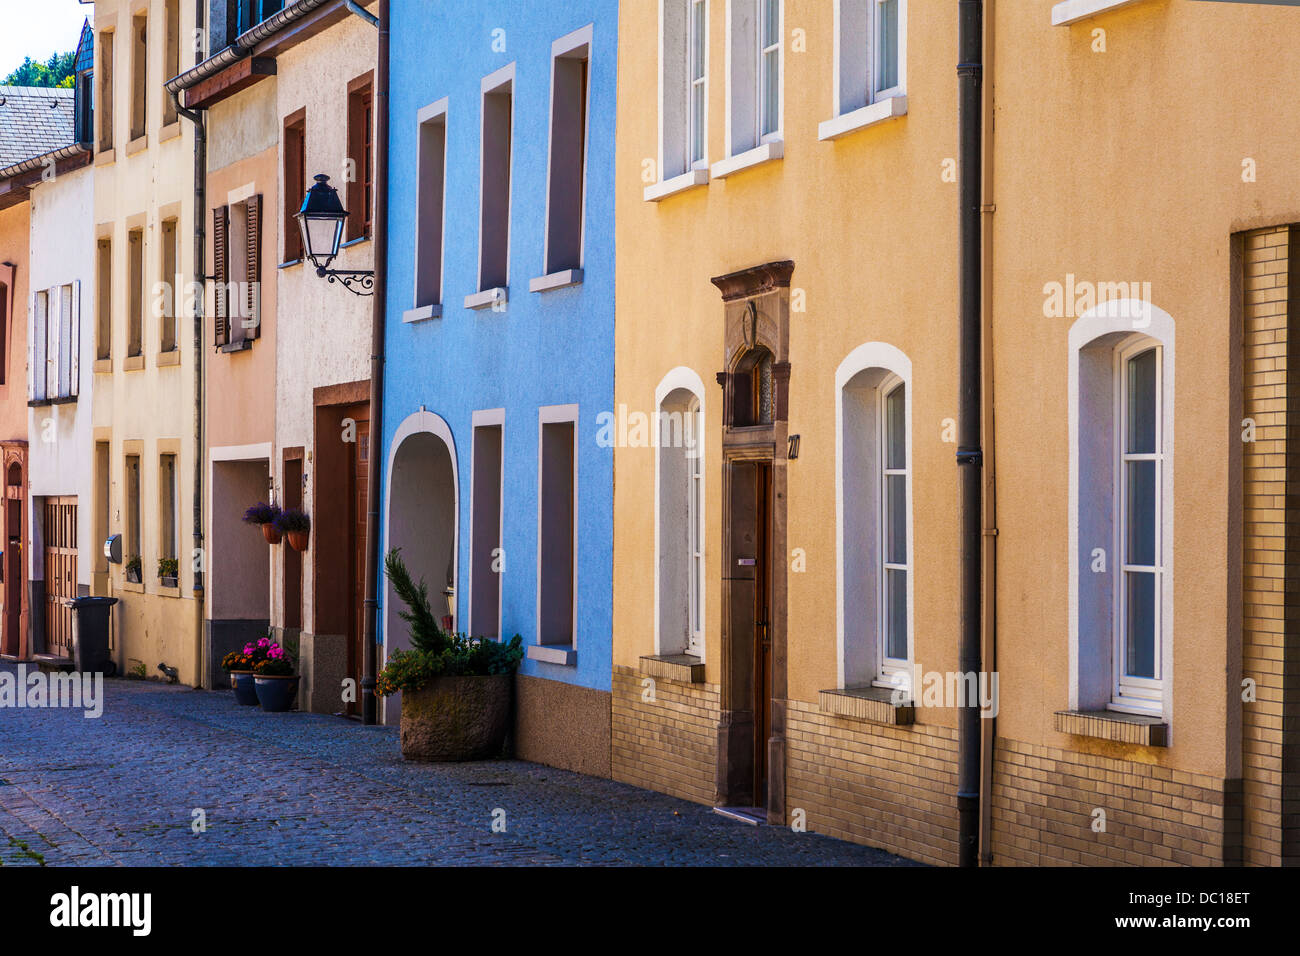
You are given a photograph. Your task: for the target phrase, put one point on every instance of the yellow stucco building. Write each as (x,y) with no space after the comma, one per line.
(145,415)
(786,601)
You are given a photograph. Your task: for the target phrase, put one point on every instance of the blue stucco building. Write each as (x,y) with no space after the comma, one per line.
(500,343)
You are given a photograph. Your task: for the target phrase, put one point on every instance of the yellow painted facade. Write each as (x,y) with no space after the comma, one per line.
(144,405)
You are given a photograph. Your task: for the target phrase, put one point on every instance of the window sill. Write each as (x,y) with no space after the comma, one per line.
(488,298)
(766,153)
(103,365)
(46,402)
(137,145)
(677,184)
(556,280)
(873,704)
(422,313)
(106,157)
(553,654)
(132,587)
(1072,11)
(170,131)
(356,241)
(686,668)
(889,108)
(164,591)
(170,357)
(242,345)
(133,363)
(290,264)
(1113,725)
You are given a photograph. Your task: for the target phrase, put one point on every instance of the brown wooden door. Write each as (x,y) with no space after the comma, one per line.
(13,575)
(359,456)
(60,533)
(762,490)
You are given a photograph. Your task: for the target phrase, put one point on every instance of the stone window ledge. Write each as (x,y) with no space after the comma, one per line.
(889,108)
(659,191)
(553,654)
(1072,11)
(874,704)
(487,299)
(556,280)
(686,668)
(763,153)
(1113,725)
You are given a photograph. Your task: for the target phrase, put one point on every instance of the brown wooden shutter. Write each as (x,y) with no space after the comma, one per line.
(253,251)
(221,274)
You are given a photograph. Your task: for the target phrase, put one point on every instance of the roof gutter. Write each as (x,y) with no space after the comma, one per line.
(36,162)
(245,43)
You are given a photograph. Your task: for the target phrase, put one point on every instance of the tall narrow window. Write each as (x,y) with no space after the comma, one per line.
(104,300)
(136,292)
(769,68)
(171,56)
(486,566)
(170,285)
(894,558)
(874,508)
(361,116)
(753,395)
(1138,650)
(103,488)
(557,571)
(430,221)
(699,81)
(105,99)
(134,544)
(222,304)
(494,227)
(295,182)
(870,52)
(139,72)
(570,68)
(167,527)
(38,348)
(237,265)
(680,539)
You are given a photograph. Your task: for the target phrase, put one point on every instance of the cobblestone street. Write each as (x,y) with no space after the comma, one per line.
(300,789)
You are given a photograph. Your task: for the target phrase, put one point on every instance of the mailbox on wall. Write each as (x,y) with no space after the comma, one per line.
(113,548)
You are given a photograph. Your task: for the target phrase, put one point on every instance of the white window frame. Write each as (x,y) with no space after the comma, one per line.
(760,73)
(876,92)
(683,379)
(561,49)
(889,667)
(431,115)
(860,508)
(1094,338)
(493,83)
(1136,694)
(692,81)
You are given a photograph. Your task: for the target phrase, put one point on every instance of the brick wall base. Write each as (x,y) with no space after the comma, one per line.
(668,741)
(1044,803)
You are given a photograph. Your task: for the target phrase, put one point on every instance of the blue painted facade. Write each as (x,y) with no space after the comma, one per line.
(549,348)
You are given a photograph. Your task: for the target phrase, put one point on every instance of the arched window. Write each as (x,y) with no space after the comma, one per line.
(874,493)
(1121,442)
(679,532)
(752,394)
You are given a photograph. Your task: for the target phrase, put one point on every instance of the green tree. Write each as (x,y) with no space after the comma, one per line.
(57,71)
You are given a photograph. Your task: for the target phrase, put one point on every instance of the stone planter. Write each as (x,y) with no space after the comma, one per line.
(457,718)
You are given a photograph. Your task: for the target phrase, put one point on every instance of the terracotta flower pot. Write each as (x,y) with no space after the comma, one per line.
(298,540)
(457,718)
(271,532)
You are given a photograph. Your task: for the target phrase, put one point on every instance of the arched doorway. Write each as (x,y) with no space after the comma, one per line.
(422,521)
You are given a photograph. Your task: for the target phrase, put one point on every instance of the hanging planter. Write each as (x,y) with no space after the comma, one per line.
(265,515)
(297,525)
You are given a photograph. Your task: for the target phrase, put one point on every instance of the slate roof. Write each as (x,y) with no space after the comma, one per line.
(34,121)
(85,49)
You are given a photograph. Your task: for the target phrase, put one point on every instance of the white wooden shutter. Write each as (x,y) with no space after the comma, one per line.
(53,322)
(74,343)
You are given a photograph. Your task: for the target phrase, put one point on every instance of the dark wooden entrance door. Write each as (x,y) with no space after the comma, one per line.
(60,531)
(359,462)
(13,575)
(750,620)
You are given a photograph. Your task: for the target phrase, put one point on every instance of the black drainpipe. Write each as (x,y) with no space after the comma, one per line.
(200,258)
(970,456)
(369,709)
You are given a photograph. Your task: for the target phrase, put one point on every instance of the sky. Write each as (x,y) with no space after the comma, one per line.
(39,29)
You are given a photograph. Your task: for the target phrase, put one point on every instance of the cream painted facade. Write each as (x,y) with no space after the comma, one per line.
(144,405)
(1148,144)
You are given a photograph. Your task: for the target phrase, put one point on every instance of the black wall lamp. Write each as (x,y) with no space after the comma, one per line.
(321,220)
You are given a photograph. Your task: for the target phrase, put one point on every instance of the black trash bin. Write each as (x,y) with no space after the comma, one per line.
(90,622)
